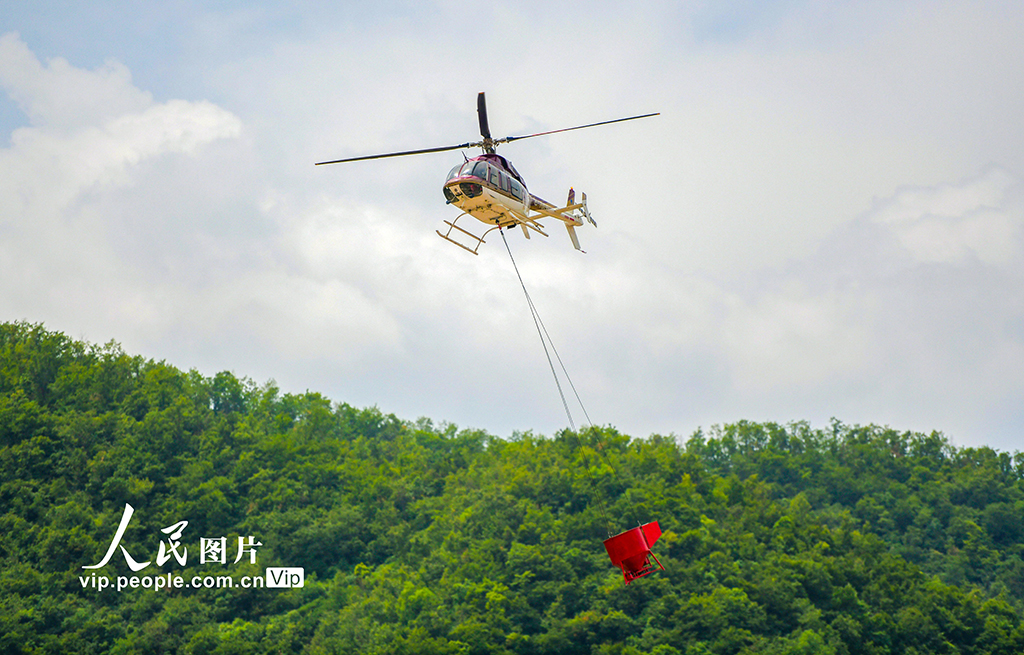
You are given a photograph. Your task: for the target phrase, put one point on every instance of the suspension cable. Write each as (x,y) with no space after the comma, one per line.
(542,333)
(545,340)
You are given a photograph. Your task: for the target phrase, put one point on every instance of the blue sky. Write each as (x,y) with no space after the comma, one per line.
(825,221)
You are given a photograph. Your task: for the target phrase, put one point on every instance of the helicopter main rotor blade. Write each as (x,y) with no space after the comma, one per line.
(578,127)
(461,146)
(487,144)
(481,111)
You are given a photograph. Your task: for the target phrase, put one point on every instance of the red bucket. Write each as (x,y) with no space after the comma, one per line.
(631,551)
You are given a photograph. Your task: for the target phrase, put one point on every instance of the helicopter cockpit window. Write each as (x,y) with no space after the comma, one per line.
(494,176)
(452,174)
(480,170)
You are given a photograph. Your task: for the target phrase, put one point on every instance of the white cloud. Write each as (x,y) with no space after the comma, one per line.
(911,314)
(89,127)
(950,223)
(61,97)
(90,132)
(870,327)
(792,338)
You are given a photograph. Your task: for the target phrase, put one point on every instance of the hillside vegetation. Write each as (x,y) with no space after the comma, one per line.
(423,538)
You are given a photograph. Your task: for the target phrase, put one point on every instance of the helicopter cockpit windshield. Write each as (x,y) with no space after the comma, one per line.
(474,168)
(479,170)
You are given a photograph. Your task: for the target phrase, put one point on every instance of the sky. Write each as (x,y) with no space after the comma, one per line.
(826,220)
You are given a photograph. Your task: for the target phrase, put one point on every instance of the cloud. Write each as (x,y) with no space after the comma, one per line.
(909,314)
(877,324)
(90,134)
(791,337)
(61,97)
(90,127)
(953,223)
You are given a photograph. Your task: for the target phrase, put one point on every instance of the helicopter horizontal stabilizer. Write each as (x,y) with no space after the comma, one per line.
(565,214)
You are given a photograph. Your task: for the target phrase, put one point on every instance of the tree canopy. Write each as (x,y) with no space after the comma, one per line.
(416,537)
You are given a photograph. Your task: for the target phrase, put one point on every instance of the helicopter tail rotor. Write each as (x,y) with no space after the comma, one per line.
(586,212)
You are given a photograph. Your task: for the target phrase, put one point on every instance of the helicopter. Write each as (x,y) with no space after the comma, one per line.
(489,188)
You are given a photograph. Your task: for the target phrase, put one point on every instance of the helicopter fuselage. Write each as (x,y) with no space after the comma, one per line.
(489,189)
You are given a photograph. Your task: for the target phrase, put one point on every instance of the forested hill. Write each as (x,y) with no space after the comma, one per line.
(423,538)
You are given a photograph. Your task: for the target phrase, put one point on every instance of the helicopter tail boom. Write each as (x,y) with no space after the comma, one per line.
(572,215)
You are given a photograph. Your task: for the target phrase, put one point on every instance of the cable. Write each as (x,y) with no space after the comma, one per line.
(554,350)
(542,332)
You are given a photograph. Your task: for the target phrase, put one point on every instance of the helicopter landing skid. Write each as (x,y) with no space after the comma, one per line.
(478,239)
